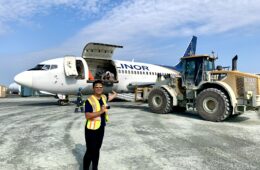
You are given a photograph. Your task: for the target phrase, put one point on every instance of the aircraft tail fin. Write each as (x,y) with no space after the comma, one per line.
(191,50)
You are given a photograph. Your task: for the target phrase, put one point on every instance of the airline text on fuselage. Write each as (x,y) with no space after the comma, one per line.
(134,67)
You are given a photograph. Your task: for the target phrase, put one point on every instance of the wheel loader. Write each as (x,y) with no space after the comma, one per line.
(215,93)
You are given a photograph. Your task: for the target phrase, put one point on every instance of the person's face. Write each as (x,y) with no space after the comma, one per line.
(98,88)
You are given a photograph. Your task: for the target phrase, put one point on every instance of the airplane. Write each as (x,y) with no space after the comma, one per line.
(14,88)
(64,76)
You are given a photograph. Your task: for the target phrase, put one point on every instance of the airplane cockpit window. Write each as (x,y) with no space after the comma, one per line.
(46,67)
(40,67)
(54,67)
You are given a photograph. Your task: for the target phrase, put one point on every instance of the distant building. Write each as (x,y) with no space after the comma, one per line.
(3,91)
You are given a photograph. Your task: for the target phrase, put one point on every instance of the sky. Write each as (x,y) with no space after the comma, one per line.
(151,31)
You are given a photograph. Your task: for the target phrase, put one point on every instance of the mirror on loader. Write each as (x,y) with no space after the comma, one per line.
(195,68)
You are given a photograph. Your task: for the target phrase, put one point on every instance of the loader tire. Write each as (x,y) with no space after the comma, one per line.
(213,105)
(159,101)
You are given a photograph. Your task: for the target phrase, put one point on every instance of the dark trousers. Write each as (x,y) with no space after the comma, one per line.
(94,139)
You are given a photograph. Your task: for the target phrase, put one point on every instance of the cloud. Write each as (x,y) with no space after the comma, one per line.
(175,18)
(138,22)
(16,11)
(147,29)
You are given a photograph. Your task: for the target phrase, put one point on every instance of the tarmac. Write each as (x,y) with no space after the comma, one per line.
(36,133)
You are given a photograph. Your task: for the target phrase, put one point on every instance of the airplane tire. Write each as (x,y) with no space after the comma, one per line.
(159,101)
(213,105)
(63,102)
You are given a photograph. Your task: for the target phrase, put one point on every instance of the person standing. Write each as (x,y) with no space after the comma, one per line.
(79,102)
(96,118)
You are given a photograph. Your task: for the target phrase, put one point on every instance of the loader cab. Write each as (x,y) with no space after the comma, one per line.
(195,69)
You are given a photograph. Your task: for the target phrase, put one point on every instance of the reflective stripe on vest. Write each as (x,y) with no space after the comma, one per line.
(95,123)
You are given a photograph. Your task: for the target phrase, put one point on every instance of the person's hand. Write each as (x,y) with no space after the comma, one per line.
(112,95)
(103,109)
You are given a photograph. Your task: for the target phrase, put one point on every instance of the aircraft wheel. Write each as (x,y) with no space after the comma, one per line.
(159,101)
(213,105)
(63,102)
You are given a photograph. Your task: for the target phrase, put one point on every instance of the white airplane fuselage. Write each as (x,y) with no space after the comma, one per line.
(51,77)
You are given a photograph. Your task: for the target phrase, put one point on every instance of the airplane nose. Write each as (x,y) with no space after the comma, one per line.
(24,78)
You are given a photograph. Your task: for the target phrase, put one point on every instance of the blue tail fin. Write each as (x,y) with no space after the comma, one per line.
(191,50)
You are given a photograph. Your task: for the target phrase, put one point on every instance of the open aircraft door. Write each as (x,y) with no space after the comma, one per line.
(98,57)
(99,51)
(70,66)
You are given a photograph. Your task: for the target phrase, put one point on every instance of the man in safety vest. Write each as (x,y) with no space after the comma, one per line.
(79,102)
(96,118)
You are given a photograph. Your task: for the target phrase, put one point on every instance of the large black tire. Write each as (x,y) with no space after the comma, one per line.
(159,101)
(213,105)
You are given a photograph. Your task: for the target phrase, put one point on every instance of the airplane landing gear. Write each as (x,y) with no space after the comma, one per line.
(63,100)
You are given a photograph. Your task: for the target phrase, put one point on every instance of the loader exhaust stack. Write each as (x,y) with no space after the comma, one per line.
(234,63)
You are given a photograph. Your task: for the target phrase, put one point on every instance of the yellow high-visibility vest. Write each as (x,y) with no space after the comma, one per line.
(95,123)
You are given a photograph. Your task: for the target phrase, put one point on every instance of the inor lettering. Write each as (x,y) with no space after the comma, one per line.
(145,68)
(129,66)
(137,67)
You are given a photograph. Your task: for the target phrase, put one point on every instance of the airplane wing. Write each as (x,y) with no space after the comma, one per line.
(141,84)
(47,93)
(99,51)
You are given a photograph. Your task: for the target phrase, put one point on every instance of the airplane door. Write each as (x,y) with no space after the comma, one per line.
(99,51)
(70,66)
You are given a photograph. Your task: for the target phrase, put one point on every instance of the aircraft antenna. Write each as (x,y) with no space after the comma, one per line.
(213,53)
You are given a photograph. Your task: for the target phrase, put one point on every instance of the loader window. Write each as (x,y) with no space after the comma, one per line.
(193,71)
(208,65)
(190,69)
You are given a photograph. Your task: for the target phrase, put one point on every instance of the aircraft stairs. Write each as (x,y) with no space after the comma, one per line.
(126,96)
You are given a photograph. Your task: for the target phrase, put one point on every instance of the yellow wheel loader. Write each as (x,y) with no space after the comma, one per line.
(215,94)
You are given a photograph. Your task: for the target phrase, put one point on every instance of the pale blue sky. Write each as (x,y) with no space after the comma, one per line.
(153,31)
